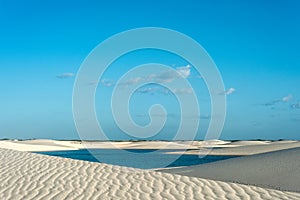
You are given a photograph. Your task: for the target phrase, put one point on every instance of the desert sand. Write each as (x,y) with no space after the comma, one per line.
(25,175)
(37,145)
(241,148)
(277,170)
(194,147)
(56,145)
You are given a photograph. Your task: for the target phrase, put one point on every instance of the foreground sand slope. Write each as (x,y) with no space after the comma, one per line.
(26,175)
(277,170)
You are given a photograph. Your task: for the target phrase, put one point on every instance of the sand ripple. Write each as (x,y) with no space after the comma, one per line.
(31,176)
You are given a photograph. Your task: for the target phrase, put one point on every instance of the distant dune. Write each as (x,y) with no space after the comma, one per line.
(195,147)
(242,148)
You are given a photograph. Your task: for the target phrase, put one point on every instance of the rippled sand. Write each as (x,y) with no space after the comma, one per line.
(32,176)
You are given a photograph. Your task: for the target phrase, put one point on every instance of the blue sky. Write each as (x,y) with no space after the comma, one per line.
(255,45)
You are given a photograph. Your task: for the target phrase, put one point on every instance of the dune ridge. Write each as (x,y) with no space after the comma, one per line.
(26,175)
(195,147)
(242,148)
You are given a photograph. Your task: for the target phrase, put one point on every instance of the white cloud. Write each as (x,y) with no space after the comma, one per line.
(182,90)
(134,80)
(159,90)
(103,82)
(162,77)
(171,115)
(148,90)
(284,99)
(228,92)
(166,76)
(65,75)
(107,82)
(287,98)
(184,72)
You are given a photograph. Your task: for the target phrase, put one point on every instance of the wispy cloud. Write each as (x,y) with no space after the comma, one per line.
(287,98)
(150,90)
(103,82)
(160,90)
(184,72)
(107,82)
(284,99)
(65,75)
(171,115)
(182,90)
(162,77)
(227,92)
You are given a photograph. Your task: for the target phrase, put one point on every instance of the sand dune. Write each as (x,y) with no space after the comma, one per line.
(35,145)
(256,148)
(194,147)
(31,176)
(249,142)
(277,170)
(244,148)
(56,145)
(140,145)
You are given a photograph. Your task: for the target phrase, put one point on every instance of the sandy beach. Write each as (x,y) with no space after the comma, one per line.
(26,175)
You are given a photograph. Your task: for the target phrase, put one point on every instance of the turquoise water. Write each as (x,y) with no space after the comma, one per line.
(138,158)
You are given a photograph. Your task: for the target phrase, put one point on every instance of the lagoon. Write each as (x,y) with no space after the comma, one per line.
(137,158)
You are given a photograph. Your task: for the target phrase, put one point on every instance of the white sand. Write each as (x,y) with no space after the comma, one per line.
(140,145)
(249,142)
(36,145)
(54,145)
(244,148)
(31,176)
(195,147)
(277,170)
